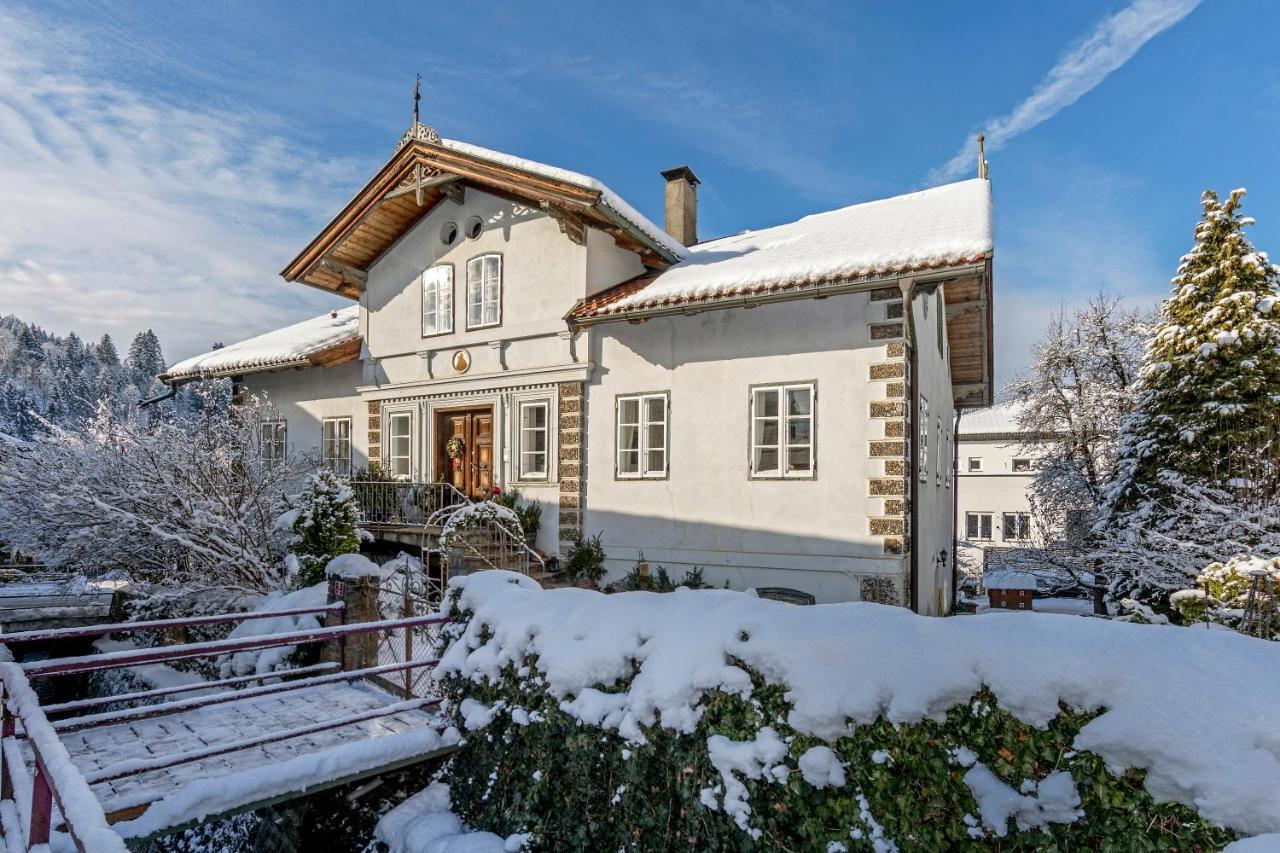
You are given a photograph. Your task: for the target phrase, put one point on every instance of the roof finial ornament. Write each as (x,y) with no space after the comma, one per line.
(982,157)
(418,132)
(417,96)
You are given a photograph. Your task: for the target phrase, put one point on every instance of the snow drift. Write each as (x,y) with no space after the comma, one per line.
(1216,750)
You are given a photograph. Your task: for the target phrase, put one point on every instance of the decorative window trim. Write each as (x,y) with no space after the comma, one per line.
(445,314)
(642,424)
(274,447)
(390,417)
(518,444)
(991,526)
(467,290)
(783,446)
(343,468)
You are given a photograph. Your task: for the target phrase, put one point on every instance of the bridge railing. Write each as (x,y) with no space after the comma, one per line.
(28,796)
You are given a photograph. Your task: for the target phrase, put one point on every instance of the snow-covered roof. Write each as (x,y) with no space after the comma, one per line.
(945,226)
(1000,419)
(1009,579)
(607,196)
(299,345)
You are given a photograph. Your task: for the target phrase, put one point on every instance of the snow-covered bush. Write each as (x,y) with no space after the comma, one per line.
(189,501)
(324,518)
(714,720)
(1222,591)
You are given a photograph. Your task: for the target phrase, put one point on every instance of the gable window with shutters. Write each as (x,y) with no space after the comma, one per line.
(642,436)
(335,446)
(484,291)
(783,431)
(437,300)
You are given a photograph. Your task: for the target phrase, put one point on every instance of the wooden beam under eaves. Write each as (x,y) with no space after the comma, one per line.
(348,273)
(420,184)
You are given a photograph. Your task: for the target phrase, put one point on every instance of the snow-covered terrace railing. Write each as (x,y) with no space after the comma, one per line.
(28,793)
(400,503)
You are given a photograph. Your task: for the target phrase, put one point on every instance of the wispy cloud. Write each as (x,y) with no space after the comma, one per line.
(124,211)
(1111,44)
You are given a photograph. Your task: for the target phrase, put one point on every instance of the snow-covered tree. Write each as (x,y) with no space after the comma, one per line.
(1209,386)
(189,501)
(1072,400)
(1202,440)
(324,519)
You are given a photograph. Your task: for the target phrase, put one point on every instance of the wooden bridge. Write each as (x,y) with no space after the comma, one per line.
(103,770)
(33,597)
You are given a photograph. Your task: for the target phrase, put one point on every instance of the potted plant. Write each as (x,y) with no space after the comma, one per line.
(585,562)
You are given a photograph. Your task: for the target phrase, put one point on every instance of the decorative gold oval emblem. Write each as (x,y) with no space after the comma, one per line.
(461,361)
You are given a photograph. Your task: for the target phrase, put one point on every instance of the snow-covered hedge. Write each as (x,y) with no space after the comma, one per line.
(712,719)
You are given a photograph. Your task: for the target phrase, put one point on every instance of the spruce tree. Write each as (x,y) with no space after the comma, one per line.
(1209,388)
(145,360)
(325,525)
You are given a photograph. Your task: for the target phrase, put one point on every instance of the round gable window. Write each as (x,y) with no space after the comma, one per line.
(449,233)
(474,227)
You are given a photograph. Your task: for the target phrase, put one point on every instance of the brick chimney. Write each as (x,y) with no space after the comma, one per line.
(682,204)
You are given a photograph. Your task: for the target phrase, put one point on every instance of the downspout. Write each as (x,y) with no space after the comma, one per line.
(174,385)
(910,490)
(955,512)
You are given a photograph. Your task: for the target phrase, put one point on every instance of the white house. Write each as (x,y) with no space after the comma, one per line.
(997,460)
(774,407)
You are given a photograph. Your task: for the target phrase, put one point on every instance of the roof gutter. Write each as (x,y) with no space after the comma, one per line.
(635,231)
(174,385)
(820,290)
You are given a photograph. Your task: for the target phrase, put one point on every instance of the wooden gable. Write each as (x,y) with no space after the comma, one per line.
(418,176)
(970,338)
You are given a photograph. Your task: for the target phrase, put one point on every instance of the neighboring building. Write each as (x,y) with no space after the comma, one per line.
(997,461)
(754,405)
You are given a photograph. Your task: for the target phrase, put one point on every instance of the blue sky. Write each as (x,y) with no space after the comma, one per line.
(160,163)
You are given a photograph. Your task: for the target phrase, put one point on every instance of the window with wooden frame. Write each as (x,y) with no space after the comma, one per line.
(923,436)
(532,439)
(977,526)
(1016,526)
(484,291)
(335,445)
(437,300)
(400,445)
(642,436)
(783,431)
(275,435)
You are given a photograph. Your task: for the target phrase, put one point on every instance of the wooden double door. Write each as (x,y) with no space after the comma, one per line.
(470,467)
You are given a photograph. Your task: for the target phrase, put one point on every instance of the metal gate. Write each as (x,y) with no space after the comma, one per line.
(405,591)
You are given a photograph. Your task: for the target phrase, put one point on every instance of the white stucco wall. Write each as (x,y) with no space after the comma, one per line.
(304,398)
(933,485)
(995,489)
(809,534)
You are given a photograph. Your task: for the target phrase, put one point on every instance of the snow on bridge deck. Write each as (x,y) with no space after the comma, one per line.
(236,775)
(139,770)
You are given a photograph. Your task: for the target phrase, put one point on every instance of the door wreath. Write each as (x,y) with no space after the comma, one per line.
(455,447)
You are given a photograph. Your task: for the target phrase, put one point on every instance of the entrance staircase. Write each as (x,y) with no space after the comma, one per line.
(419,513)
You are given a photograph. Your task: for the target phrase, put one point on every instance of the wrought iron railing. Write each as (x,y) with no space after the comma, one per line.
(402,503)
(395,503)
